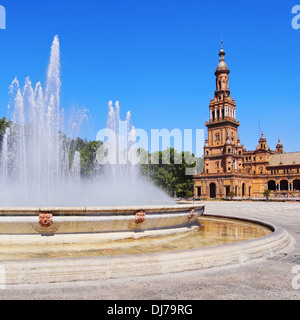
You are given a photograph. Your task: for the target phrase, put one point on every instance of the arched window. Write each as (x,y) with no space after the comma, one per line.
(272,185)
(213,190)
(296,184)
(243,190)
(199,191)
(284,185)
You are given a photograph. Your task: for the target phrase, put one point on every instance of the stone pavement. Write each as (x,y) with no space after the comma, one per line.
(264,279)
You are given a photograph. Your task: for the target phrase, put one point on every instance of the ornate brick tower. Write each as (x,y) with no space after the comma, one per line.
(230,169)
(222,151)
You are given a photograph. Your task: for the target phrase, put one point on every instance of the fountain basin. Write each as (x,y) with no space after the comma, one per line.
(54,270)
(52,221)
(28,245)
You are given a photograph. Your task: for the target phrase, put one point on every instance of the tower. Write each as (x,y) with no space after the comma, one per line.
(223,150)
(231,169)
(279,147)
(262,143)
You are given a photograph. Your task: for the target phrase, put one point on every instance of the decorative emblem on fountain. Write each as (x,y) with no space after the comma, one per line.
(46,219)
(140,217)
(192,213)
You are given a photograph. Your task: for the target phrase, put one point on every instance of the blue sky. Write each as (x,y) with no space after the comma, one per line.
(158,58)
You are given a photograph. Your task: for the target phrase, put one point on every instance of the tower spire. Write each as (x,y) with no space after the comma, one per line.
(222,79)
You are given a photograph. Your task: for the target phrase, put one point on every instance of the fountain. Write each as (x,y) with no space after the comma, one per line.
(48,211)
(42,186)
(36,169)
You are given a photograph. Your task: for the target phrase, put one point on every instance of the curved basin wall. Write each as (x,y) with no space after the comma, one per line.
(96,220)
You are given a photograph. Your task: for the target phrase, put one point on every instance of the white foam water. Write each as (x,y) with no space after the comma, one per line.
(36,169)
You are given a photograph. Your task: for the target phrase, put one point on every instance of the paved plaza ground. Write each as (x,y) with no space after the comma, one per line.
(263,279)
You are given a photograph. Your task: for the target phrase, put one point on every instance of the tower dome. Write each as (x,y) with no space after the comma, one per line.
(279,147)
(222,66)
(262,144)
(279,144)
(262,138)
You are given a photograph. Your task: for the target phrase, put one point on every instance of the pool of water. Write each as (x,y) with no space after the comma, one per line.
(213,231)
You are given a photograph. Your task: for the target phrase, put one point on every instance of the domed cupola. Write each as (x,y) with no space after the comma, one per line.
(222,66)
(222,77)
(279,147)
(262,143)
(262,138)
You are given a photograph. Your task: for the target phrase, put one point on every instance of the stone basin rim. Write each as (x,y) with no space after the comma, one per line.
(99,210)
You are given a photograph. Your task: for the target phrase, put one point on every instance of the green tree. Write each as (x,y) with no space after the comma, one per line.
(75,145)
(88,158)
(4,124)
(231,195)
(267,194)
(168,170)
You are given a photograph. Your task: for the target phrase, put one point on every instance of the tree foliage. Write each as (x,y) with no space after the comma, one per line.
(168,169)
(4,124)
(88,158)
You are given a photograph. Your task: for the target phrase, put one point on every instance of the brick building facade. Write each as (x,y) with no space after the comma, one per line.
(229,167)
